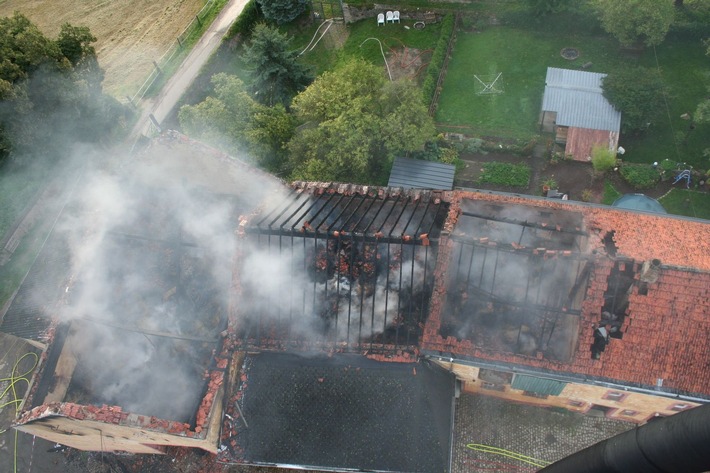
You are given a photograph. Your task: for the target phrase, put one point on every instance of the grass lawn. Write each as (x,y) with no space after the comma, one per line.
(685,69)
(610,193)
(687,202)
(523,50)
(522,56)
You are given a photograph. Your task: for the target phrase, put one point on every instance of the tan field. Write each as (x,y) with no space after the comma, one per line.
(131,33)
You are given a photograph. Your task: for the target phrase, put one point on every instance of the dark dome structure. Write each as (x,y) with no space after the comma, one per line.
(639,202)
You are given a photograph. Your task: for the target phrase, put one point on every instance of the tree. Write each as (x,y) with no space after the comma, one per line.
(75,43)
(637,92)
(277,74)
(222,118)
(282,11)
(50,91)
(23,48)
(634,22)
(232,119)
(353,123)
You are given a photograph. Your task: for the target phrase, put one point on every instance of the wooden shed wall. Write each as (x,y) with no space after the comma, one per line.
(580,142)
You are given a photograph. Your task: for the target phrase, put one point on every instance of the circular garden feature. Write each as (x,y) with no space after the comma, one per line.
(570,53)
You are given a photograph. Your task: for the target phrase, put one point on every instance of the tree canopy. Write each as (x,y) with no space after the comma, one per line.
(277,75)
(283,11)
(50,90)
(637,92)
(636,21)
(353,123)
(233,119)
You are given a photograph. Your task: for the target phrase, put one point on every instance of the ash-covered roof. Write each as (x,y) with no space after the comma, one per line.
(340,412)
(527,284)
(577,98)
(143,291)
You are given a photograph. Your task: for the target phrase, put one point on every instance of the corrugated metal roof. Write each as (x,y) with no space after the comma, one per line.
(550,387)
(577,98)
(420,174)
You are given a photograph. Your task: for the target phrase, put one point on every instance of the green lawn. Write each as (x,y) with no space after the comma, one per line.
(687,202)
(610,193)
(522,54)
(685,69)
(522,57)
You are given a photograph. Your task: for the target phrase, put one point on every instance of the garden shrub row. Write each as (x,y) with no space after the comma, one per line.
(437,58)
(505,174)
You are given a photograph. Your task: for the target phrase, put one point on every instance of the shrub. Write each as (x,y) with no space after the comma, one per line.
(437,58)
(603,159)
(245,22)
(587,195)
(640,176)
(505,174)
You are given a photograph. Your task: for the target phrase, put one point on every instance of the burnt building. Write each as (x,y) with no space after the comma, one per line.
(330,326)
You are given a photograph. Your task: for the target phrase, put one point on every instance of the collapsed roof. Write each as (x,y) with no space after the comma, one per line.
(524,281)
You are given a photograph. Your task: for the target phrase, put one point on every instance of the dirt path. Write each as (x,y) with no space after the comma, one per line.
(161,106)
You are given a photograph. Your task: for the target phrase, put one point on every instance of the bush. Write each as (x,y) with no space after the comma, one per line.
(603,159)
(437,58)
(245,22)
(640,176)
(505,174)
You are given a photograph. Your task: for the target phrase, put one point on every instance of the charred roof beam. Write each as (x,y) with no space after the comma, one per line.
(551,228)
(508,248)
(526,305)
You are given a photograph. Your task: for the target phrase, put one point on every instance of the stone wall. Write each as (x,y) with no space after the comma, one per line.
(352,14)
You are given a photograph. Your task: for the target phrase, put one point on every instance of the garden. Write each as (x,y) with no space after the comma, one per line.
(502,50)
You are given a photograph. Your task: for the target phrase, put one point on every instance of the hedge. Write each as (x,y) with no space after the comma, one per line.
(437,58)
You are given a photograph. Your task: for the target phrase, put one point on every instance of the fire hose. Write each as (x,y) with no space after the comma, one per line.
(16,401)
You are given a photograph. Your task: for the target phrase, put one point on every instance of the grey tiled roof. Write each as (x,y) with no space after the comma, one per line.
(420,174)
(577,98)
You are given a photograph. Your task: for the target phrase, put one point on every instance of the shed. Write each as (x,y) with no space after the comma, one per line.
(419,174)
(576,111)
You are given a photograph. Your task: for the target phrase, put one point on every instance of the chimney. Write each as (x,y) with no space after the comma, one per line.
(650,270)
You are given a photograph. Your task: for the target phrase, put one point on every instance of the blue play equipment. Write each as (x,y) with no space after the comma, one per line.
(685,174)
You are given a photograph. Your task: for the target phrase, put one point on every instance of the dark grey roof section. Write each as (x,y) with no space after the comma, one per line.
(419,174)
(30,313)
(577,98)
(344,413)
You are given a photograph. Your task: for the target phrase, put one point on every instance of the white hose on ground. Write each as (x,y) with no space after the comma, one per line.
(383,55)
(329,22)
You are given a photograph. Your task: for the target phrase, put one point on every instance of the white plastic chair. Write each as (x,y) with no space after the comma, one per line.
(395,16)
(390,17)
(380,19)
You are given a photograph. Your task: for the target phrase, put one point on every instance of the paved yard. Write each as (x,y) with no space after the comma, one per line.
(516,429)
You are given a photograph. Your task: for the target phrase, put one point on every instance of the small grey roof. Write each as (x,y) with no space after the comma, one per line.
(577,98)
(419,174)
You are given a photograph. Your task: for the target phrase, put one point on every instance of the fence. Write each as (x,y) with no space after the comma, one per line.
(170,54)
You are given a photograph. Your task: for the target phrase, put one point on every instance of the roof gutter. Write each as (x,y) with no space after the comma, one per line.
(566,379)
